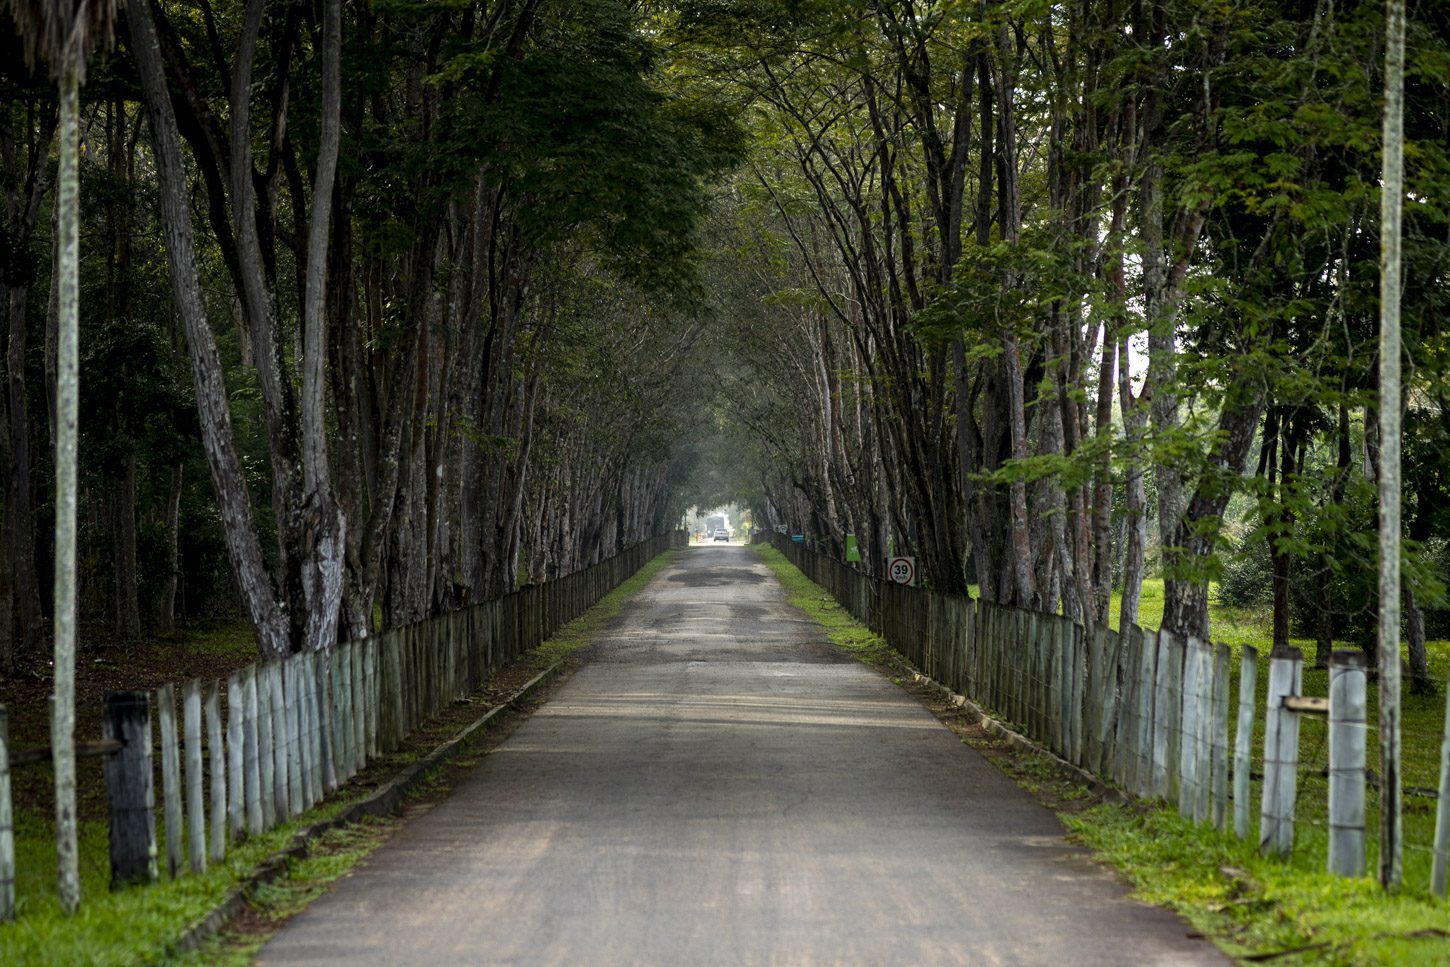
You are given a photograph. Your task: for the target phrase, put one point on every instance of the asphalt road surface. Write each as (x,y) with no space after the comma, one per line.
(719,785)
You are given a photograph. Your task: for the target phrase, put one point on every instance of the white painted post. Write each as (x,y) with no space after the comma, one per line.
(1244,738)
(1281,754)
(1347,738)
(195,808)
(1143,741)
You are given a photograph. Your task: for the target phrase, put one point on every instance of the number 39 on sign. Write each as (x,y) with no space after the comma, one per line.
(901,570)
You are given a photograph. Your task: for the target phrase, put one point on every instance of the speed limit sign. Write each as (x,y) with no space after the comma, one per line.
(901,570)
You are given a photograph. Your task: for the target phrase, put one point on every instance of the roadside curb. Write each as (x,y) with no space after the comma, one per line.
(383,801)
(994,727)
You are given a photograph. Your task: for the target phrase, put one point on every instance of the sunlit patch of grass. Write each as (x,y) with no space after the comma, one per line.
(1254,905)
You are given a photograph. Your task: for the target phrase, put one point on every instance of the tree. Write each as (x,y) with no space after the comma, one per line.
(64,35)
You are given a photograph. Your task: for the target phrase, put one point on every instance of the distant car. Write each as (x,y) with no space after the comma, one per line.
(722,535)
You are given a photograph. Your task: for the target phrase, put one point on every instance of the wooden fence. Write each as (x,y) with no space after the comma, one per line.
(1147,710)
(275,738)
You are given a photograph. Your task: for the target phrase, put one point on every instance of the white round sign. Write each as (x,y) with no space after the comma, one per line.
(901,570)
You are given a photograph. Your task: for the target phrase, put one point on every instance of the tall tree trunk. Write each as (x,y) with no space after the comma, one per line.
(62,728)
(325,526)
(1391,201)
(259,599)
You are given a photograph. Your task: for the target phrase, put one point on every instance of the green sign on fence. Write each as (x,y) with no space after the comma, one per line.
(853,553)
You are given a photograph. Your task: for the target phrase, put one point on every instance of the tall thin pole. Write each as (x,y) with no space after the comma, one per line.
(1389,469)
(62,727)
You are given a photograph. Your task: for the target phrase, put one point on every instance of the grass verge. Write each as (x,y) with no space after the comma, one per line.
(141,924)
(1256,909)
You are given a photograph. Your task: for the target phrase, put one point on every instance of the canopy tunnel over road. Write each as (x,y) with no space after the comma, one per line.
(718,784)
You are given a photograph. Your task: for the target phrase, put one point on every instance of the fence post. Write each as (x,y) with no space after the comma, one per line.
(218,772)
(1221,673)
(1347,737)
(170,777)
(266,747)
(7,825)
(296,786)
(1281,754)
(280,792)
(1441,863)
(251,759)
(1203,733)
(370,693)
(358,701)
(1244,737)
(1143,741)
(236,769)
(1188,742)
(195,810)
(127,719)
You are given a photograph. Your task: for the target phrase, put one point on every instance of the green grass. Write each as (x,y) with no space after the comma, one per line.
(1247,903)
(133,925)
(139,924)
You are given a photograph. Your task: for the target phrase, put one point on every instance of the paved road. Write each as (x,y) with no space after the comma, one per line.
(720,786)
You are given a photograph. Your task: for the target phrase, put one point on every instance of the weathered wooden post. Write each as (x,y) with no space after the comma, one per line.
(1143,741)
(293,706)
(195,808)
(236,787)
(265,754)
(170,778)
(1188,746)
(126,718)
(1244,738)
(218,753)
(359,691)
(1163,719)
(370,694)
(7,825)
(1221,683)
(1347,736)
(1281,754)
(281,786)
(251,753)
(1177,666)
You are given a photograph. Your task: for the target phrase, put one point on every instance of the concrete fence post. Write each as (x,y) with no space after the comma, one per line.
(1281,754)
(1347,739)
